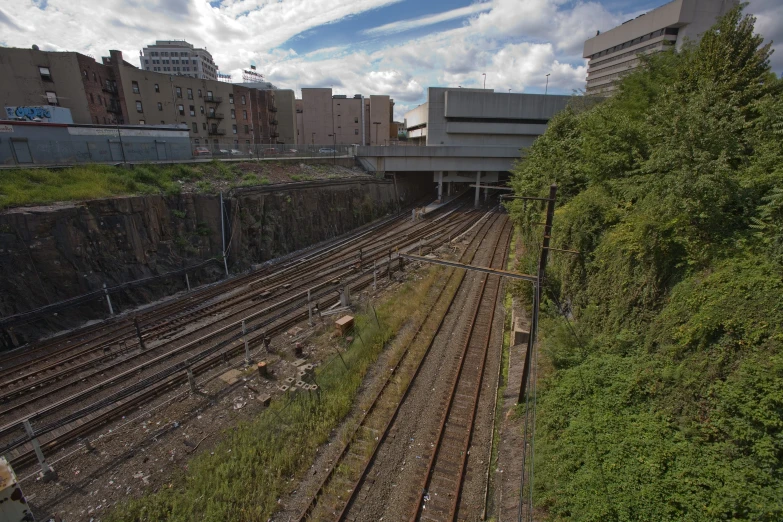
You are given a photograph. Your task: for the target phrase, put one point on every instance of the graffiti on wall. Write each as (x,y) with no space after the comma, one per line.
(28,113)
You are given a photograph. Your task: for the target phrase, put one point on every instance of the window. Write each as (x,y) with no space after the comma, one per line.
(234,129)
(179,92)
(233,114)
(204,126)
(92,100)
(247,130)
(135,86)
(138,106)
(230,98)
(100,100)
(199,93)
(209,95)
(94,78)
(141,122)
(356,119)
(160,106)
(356,131)
(196,140)
(162,122)
(181,109)
(45,74)
(51,97)
(243,100)
(244,115)
(202,109)
(192,110)
(157,87)
(146,61)
(85,74)
(195,128)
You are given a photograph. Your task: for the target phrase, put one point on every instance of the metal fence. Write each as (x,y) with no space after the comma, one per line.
(234,148)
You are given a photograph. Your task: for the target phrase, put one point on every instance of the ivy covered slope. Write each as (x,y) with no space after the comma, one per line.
(665,401)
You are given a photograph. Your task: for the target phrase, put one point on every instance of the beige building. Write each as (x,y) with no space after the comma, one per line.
(179,58)
(324,119)
(614,53)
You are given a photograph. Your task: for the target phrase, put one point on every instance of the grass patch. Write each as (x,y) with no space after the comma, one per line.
(19,187)
(246,473)
(302,177)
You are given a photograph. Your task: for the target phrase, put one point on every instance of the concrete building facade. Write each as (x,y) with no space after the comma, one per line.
(179,58)
(323,118)
(615,53)
(481,117)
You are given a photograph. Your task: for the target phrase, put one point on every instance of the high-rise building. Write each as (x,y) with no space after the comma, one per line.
(615,53)
(179,58)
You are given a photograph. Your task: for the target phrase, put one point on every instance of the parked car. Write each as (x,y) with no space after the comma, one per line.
(270,151)
(223,152)
(291,151)
(235,152)
(326,150)
(202,151)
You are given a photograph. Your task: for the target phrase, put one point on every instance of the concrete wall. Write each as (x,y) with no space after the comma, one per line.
(380,111)
(34,143)
(347,120)
(317,115)
(286,115)
(299,106)
(21,82)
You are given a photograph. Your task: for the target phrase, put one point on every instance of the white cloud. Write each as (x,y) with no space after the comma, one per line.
(406,25)
(515,42)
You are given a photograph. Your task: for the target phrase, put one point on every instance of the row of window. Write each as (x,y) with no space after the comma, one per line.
(181,109)
(169,53)
(640,39)
(167,62)
(160,69)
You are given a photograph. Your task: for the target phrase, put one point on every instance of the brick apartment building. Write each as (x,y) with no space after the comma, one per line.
(113,91)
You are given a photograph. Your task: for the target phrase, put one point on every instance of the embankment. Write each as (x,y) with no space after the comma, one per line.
(52,253)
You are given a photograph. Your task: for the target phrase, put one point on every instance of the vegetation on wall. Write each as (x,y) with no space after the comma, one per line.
(665,395)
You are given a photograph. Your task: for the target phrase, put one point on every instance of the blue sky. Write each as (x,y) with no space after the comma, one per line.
(394,47)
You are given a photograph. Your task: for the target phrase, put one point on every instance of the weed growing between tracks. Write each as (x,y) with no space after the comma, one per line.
(245,474)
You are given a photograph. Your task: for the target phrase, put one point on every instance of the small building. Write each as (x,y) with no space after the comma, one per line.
(615,53)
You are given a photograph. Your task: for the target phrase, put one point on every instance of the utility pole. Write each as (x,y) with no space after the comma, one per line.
(546,88)
(538,289)
(485,79)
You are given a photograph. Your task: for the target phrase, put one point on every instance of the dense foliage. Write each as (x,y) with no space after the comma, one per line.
(665,401)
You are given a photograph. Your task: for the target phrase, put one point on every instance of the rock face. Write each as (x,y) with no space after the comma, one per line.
(49,254)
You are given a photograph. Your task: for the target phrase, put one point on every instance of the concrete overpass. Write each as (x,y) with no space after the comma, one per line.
(437,158)
(448,164)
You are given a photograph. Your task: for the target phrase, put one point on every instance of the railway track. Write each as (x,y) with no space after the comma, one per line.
(374,425)
(60,422)
(439,497)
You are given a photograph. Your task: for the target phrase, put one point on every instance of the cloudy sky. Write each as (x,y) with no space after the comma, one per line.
(395,47)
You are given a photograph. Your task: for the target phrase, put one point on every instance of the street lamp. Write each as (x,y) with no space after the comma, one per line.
(485,79)
(547,84)
(376,123)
